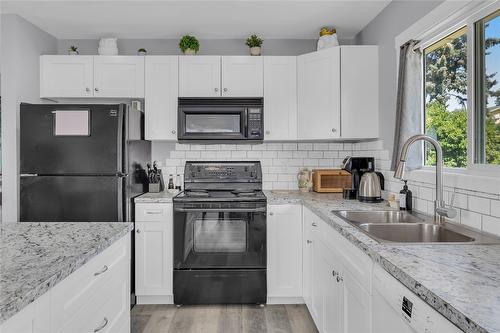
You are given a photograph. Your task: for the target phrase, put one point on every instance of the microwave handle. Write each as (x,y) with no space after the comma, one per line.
(245,124)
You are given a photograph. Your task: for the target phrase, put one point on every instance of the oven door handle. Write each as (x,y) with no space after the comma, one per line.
(233,210)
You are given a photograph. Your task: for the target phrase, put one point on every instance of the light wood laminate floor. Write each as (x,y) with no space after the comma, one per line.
(221,319)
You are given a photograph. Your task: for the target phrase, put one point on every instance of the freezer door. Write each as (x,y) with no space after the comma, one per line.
(71,139)
(71,199)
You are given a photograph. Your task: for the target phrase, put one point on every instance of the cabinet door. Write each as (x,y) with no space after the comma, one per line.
(199,76)
(66,76)
(307,251)
(319,95)
(329,288)
(359,92)
(153,258)
(242,76)
(161,92)
(356,305)
(280,102)
(119,76)
(284,251)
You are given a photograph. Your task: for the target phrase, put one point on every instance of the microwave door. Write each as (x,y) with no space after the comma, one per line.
(216,124)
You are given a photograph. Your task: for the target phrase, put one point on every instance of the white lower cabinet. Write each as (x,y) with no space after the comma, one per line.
(284,254)
(336,298)
(95,298)
(153,253)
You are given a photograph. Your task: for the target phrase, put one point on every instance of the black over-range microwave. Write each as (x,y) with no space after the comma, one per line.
(215,119)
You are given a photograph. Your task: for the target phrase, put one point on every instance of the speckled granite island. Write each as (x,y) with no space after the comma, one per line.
(36,257)
(462,282)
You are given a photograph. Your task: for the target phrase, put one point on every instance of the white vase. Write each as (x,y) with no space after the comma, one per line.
(189,52)
(142,53)
(73,52)
(255,51)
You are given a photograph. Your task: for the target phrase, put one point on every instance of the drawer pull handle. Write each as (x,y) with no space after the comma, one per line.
(314,224)
(99,328)
(104,269)
(309,241)
(154,212)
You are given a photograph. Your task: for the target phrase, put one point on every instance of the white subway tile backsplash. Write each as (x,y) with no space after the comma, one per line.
(289,146)
(254,154)
(305,146)
(212,147)
(479,205)
(491,224)
(180,146)
(495,208)
(269,154)
(315,154)
(331,154)
(285,154)
(227,147)
(238,154)
(321,146)
(274,146)
(192,154)
(223,154)
(471,219)
(299,154)
(197,147)
(335,146)
(178,154)
(427,193)
(208,154)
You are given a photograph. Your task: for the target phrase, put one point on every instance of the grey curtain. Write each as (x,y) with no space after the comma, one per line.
(409,104)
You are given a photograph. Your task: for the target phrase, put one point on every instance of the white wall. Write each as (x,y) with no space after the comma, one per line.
(22,44)
(381,31)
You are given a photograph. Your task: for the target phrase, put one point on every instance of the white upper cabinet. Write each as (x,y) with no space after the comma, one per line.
(119,76)
(284,252)
(66,76)
(280,102)
(199,76)
(161,94)
(319,95)
(242,76)
(338,93)
(359,91)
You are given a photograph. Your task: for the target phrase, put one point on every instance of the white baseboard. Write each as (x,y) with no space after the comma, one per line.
(284,300)
(148,299)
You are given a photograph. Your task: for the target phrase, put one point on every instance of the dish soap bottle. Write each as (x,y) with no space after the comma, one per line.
(405,198)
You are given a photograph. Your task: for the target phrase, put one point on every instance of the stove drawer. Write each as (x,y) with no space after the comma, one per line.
(153,212)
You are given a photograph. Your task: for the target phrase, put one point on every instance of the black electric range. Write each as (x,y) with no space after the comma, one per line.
(220,235)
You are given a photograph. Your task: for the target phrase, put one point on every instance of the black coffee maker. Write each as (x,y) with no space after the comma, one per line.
(356,166)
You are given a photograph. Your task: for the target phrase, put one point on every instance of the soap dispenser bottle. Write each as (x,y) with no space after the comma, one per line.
(405,198)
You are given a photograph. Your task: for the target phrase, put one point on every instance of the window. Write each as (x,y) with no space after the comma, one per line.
(445,116)
(487,108)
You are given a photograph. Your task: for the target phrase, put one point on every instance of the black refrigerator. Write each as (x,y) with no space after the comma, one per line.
(81,163)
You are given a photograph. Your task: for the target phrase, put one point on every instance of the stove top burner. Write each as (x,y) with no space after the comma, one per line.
(244,193)
(198,193)
(219,195)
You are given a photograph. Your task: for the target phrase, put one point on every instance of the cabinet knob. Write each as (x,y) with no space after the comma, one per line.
(339,278)
(309,241)
(271,213)
(96,89)
(314,224)
(334,273)
(173,131)
(104,269)
(216,89)
(268,132)
(334,130)
(87,89)
(225,89)
(138,231)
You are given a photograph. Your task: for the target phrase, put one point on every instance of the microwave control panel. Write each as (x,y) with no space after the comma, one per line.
(255,123)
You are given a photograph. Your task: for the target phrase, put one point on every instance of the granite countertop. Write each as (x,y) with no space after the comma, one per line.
(159,197)
(36,256)
(462,282)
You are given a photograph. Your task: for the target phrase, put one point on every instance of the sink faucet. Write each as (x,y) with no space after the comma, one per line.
(440,209)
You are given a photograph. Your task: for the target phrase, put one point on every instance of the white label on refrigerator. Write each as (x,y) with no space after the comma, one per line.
(71,122)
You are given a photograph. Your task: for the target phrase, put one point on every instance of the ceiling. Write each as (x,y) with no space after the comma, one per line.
(205,19)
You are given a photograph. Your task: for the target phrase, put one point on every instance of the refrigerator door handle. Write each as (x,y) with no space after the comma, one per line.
(122,174)
(24,175)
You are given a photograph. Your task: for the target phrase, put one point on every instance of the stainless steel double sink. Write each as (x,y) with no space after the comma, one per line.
(388,226)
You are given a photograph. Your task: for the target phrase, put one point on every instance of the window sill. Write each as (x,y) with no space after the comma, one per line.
(467,179)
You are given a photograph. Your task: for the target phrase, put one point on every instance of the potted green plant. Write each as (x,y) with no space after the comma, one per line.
(254,43)
(73,50)
(142,51)
(189,45)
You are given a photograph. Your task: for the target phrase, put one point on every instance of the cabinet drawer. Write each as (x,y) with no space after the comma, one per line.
(358,263)
(108,307)
(73,293)
(153,212)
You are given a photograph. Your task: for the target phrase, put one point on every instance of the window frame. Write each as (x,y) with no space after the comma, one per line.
(465,16)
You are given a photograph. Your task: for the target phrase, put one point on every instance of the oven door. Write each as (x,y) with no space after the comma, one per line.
(212,123)
(219,238)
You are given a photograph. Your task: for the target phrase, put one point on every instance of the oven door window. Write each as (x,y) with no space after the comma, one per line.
(219,239)
(213,123)
(218,234)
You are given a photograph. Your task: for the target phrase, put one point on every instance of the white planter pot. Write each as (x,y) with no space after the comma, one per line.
(73,52)
(255,51)
(189,52)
